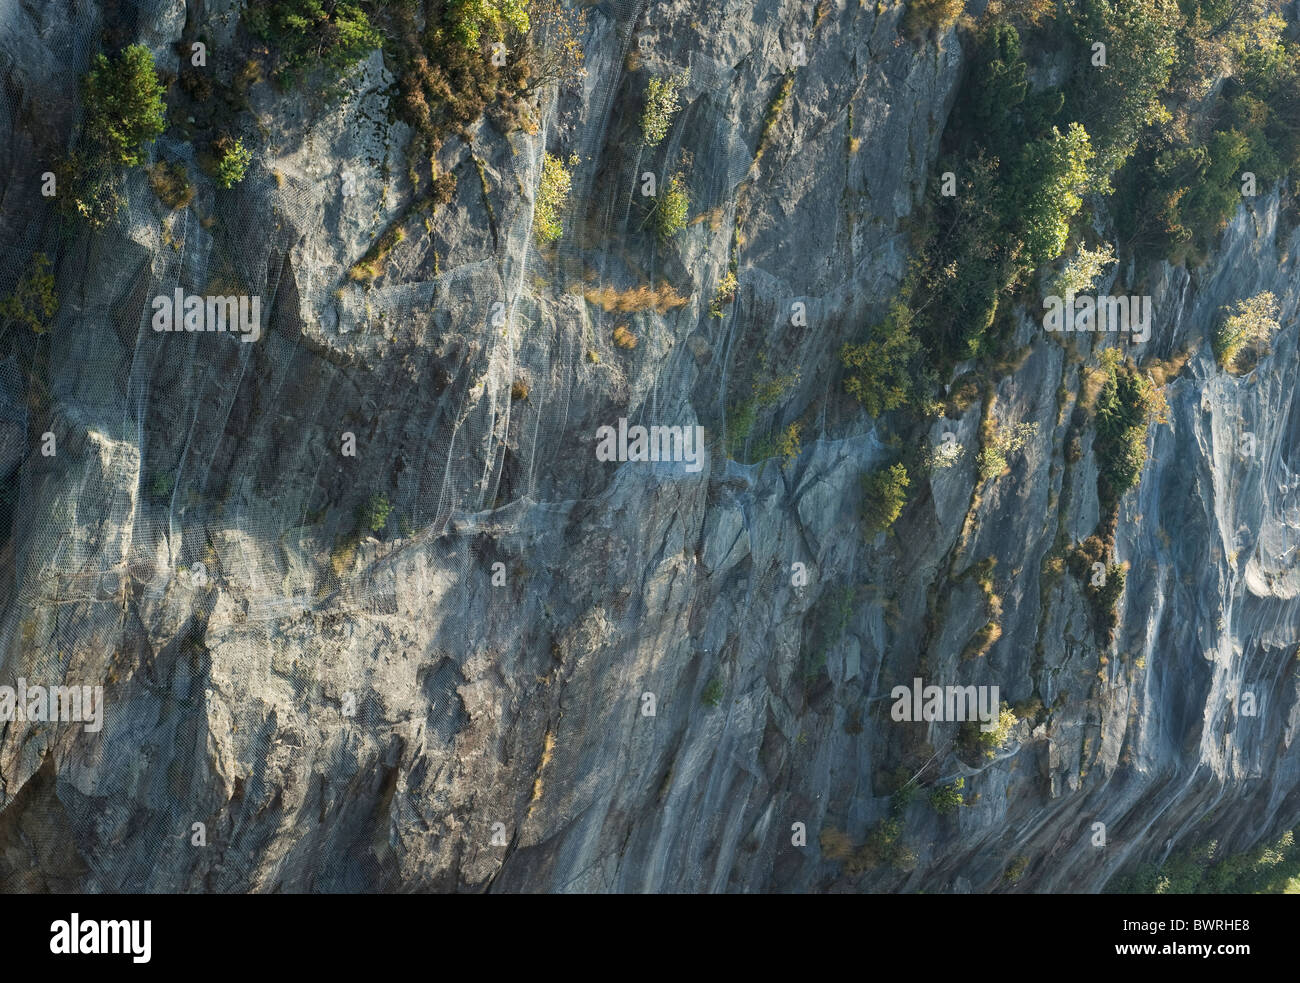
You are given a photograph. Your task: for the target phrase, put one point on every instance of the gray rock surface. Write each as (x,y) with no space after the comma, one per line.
(363,716)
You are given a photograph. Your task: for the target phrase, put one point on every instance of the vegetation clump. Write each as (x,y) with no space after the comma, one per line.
(1128,403)
(1207,868)
(766,391)
(931,16)
(471,19)
(124,106)
(661,106)
(947,799)
(725,294)
(124,113)
(552,196)
(884,493)
(884,846)
(1083,269)
(879,367)
(232,164)
(1251,322)
(375,512)
(334,34)
(661,299)
(171,184)
(1102,580)
(33,303)
(713,692)
(989,742)
(1000,442)
(671,209)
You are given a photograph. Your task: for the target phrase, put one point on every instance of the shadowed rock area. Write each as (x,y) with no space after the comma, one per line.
(452,697)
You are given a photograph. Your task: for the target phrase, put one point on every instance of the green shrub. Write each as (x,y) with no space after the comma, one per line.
(786,444)
(766,390)
(374,514)
(1268,868)
(93,188)
(163,483)
(1126,406)
(1214,193)
(879,366)
(661,106)
(713,692)
(552,196)
(1046,191)
(903,796)
(233,163)
(989,742)
(885,845)
(773,114)
(1016,870)
(1103,597)
(124,106)
(830,618)
(947,799)
(672,209)
(884,493)
(1107,595)
(33,303)
(1116,102)
(332,33)
(124,112)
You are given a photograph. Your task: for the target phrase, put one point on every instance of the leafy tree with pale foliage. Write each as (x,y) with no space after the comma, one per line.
(1083,269)
(552,195)
(661,106)
(1250,322)
(944,455)
(992,741)
(554,46)
(471,19)
(1000,443)
(947,799)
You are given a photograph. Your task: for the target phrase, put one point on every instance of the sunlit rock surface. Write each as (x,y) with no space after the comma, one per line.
(460,703)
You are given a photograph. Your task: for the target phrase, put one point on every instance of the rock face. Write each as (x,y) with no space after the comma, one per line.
(512,688)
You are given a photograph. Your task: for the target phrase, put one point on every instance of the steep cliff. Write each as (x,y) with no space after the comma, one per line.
(451,692)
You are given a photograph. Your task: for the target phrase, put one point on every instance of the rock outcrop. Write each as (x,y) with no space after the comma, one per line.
(461,701)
